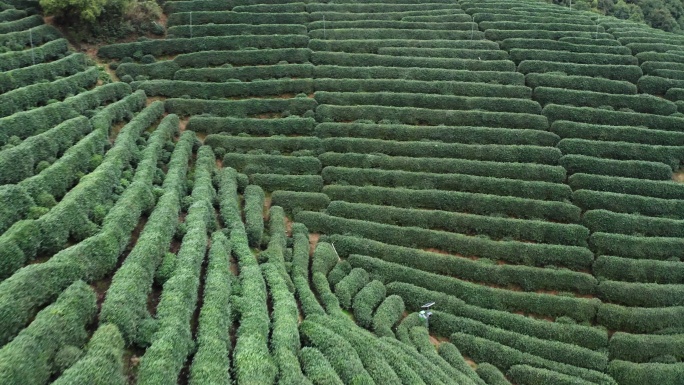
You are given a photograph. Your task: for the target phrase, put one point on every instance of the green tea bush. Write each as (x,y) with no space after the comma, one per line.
(619,168)
(201,90)
(191,31)
(629,373)
(300,183)
(230,17)
(565,56)
(254,214)
(252,126)
(373,45)
(317,368)
(637,294)
(644,320)
(366,301)
(646,104)
(670,155)
(346,289)
(295,201)
(524,33)
(481,204)
(15,203)
(638,270)
(273,164)
(371,60)
(36,35)
(586,83)
(21,77)
(391,24)
(625,203)
(491,374)
(451,182)
(644,347)
(388,314)
(614,118)
(239,108)
(633,134)
(529,375)
(522,171)
(629,73)
(45,53)
(635,246)
(527,25)
(246,73)
(466,53)
(417,72)
(631,224)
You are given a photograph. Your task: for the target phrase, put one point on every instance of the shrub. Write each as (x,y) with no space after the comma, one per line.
(630,224)
(318,369)
(503,34)
(636,246)
(373,45)
(43,54)
(639,294)
(105,351)
(629,73)
(295,201)
(346,289)
(417,149)
(247,73)
(586,83)
(469,224)
(339,272)
(183,17)
(580,309)
(491,374)
(58,325)
(644,348)
(126,303)
(166,47)
(388,314)
(200,90)
(300,183)
(620,168)
(568,129)
(379,71)
(366,301)
(189,31)
(650,188)
(451,182)
(545,55)
(640,319)
(629,373)
(172,341)
(569,333)
(521,171)
(504,357)
(646,104)
(528,375)
(254,214)
(481,204)
(670,155)
(239,108)
(371,60)
(625,203)
(252,126)
(638,270)
(533,46)
(427,116)
(273,164)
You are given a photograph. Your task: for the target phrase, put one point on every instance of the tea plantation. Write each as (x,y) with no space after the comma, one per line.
(272,191)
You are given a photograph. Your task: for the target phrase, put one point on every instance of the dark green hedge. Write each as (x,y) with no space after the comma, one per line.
(605,42)
(635,246)
(423,87)
(371,60)
(491,374)
(446,134)
(186,45)
(586,83)
(627,373)
(625,203)
(38,35)
(532,26)
(493,227)
(443,6)
(22,77)
(580,309)
(230,17)
(637,294)
(642,103)
(532,19)
(295,201)
(417,72)
(481,204)
(633,134)
(426,116)
(19,162)
(418,149)
(451,182)
(670,155)
(669,271)
(391,24)
(620,168)
(254,214)
(17,59)
(239,108)
(246,73)
(373,45)
(190,31)
(565,56)
(630,73)
(520,171)
(58,326)
(529,375)
(126,301)
(630,224)
(366,301)
(503,34)
(614,118)
(247,57)
(656,85)
(347,288)
(270,144)
(510,251)
(272,164)
(317,367)
(273,182)
(644,348)
(504,357)
(649,188)
(252,126)
(201,90)
(640,319)
(584,336)
(103,363)
(34,95)
(466,53)
(528,278)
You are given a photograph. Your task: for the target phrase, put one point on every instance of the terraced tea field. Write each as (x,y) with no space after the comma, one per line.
(271,192)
